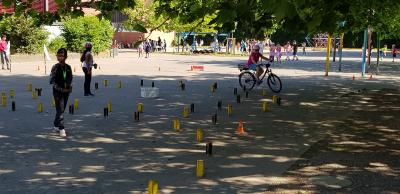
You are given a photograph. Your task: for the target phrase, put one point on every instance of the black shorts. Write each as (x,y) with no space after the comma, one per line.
(394,55)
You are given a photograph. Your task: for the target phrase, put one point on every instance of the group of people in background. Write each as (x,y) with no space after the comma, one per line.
(149,46)
(276,51)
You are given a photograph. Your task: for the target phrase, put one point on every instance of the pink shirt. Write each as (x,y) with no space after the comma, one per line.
(3,46)
(272,51)
(253,57)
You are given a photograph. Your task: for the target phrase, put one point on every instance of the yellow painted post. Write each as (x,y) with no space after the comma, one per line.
(230,110)
(76,104)
(212,88)
(3,100)
(199,135)
(177,125)
(200,168)
(328,52)
(264,92)
(105,83)
(119,84)
(140,107)
(185,112)
(265,106)
(34,94)
(40,107)
(12,93)
(152,187)
(29,87)
(109,105)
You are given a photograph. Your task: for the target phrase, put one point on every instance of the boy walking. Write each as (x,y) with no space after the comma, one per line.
(61,78)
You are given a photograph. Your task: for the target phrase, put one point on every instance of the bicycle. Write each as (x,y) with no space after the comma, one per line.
(247,78)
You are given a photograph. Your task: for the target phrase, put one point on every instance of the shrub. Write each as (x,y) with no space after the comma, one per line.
(24,35)
(58,42)
(87,29)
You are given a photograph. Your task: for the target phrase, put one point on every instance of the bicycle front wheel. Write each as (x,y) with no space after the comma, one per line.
(247,80)
(274,83)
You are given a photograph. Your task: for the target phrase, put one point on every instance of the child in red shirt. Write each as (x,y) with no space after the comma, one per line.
(394,51)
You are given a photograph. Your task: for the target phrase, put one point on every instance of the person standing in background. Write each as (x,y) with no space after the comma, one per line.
(3,52)
(87,63)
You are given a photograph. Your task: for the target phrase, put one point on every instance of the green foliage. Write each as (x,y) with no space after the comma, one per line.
(69,8)
(57,43)
(87,29)
(24,35)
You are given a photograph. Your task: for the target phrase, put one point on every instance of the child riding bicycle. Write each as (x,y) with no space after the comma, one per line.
(252,63)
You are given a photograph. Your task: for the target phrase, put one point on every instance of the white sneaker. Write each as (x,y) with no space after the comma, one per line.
(62,133)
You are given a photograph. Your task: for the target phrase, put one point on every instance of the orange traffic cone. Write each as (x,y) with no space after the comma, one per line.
(353,77)
(240,129)
(370,77)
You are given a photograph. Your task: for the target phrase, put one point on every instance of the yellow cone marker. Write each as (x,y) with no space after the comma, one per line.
(200,168)
(12,93)
(230,109)
(185,112)
(177,124)
(105,83)
(199,135)
(212,88)
(153,187)
(119,84)
(40,107)
(3,100)
(29,87)
(109,105)
(265,106)
(274,98)
(140,107)
(34,95)
(76,104)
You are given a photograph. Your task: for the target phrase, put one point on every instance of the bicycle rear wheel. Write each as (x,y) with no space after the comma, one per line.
(274,83)
(247,80)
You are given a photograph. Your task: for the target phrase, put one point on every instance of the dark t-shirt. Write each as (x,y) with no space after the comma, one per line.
(61,77)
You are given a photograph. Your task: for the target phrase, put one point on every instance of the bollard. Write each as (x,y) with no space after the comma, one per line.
(140,107)
(71,109)
(105,83)
(199,135)
(152,187)
(105,112)
(40,107)
(264,92)
(152,84)
(185,112)
(229,110)
(13,106)
(200,168)
(219,105)
(215,85)
(234,91)
(3,100)
(192,108)
(12,93)
(33,94)
(109,105)
(238,99)
(209,149)
(247,94)
(136,116)
(183,86)
(96,86)
(76,104)
(119,84)
(265,106)
(141,82)
(29,87)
